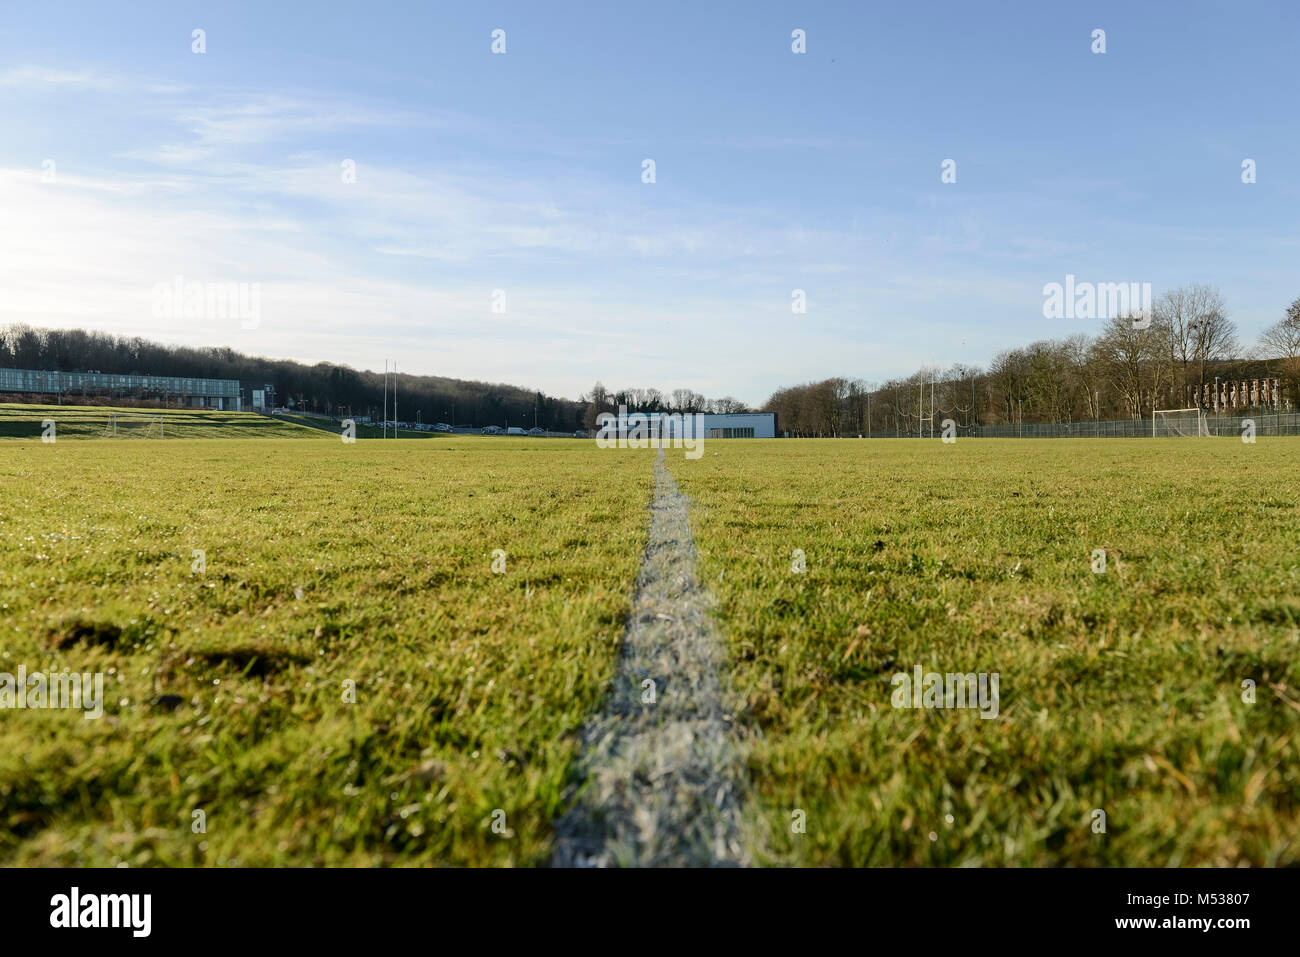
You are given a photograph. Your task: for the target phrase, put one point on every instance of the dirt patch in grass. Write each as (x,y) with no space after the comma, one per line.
(85,631)
(257,661)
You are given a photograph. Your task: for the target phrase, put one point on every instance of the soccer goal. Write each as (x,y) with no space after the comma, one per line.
(1188,423)
(126,426)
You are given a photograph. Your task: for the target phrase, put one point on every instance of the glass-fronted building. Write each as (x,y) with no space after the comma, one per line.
(177,390)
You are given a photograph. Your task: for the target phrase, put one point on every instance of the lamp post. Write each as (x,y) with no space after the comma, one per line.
(1096,408)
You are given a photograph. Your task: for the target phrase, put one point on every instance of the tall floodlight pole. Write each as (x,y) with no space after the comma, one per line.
(394,399)
(383,419)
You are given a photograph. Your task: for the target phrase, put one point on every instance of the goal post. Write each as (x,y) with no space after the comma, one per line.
(1185,423)
(127,425)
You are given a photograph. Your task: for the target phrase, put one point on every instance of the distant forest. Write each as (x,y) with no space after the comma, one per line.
(329,388)
(1123,372)
(1171,359)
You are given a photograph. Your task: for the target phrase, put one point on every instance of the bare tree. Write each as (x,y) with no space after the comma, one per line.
(1137,360)
(1086,373)
(1009,372)
(1280,342)
(1046,381)
(1199,332)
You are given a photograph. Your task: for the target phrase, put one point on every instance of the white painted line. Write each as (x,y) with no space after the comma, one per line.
(661,783)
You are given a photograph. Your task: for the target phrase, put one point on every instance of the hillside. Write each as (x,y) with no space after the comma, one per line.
(323,387)
(94,422)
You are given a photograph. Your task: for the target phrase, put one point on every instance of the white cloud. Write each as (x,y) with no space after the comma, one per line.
(39,76)
(631,283)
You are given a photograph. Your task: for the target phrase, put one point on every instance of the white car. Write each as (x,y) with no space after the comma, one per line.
(515,430)
(492,430)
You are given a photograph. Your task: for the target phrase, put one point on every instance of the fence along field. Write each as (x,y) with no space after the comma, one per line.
(836,566)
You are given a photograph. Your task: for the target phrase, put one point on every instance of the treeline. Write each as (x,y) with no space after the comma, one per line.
(334,389)
(1163,359)
(652,400)
(324,387)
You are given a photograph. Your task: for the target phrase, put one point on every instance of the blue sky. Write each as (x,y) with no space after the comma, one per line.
(522,172)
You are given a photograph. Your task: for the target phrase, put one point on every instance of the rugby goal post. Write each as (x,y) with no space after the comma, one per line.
(127,426)
(1185,423)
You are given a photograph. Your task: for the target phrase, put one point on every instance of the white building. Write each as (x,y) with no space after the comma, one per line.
(740,425)
(706,425)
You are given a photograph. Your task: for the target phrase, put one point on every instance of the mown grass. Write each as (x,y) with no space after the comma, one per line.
(361,430)
(94,422)
(371,563)
(325,563)
(1120,692)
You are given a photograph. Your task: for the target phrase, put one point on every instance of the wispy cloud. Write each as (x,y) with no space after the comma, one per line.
(39,76)
(233,171)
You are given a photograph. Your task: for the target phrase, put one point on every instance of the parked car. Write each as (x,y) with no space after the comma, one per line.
(580,434)
(536,431)
(442,427)
(492,430)
(515,430)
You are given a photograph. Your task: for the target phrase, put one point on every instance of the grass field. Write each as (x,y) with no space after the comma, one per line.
(94,422)
(326,563)
(1120,691)
(360,429)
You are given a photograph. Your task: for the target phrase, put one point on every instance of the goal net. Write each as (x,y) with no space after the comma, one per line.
(120,426)
(1186,423)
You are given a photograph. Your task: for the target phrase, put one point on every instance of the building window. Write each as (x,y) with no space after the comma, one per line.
(747,433)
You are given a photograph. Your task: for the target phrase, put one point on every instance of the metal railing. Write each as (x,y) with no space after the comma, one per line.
(1266,423)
